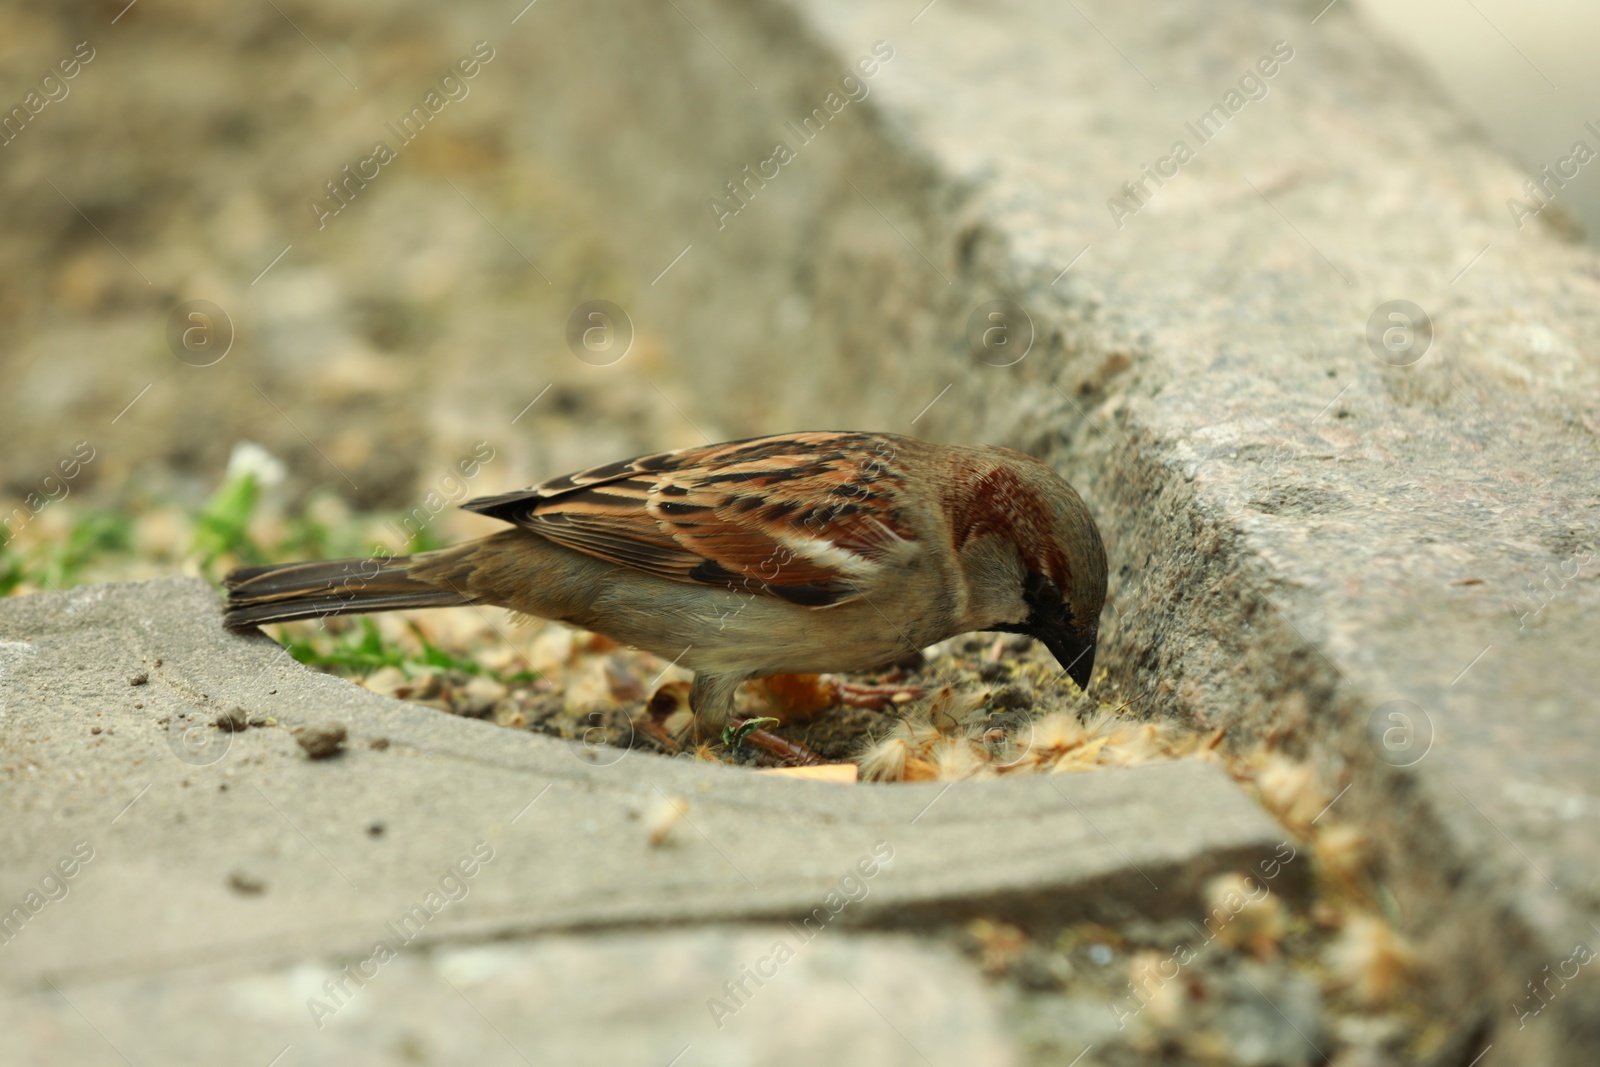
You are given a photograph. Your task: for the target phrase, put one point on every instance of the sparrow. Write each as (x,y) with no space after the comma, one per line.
(795,553)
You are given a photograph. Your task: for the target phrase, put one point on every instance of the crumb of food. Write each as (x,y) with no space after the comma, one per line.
(662,819)
(1246,914)
(999,944)
(321,742)
(952,739)
(1160,998)
(843,773)
(1289,790)
(1370,961)
(1342,852)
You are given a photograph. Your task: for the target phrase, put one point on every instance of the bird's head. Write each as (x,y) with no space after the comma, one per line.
(1025,535)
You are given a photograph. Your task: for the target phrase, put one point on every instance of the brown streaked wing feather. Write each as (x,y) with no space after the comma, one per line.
(742,514)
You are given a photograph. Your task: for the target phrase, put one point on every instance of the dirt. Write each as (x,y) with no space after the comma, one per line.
(322,741)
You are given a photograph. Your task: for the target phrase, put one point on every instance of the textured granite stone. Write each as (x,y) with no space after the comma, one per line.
(1310,511)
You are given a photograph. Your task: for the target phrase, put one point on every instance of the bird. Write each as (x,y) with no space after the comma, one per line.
(795,553)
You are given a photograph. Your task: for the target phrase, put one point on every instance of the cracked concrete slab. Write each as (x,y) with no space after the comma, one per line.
(169,843)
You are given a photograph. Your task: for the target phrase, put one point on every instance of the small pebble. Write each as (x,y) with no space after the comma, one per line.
(233,720)
(375,830)
(139,679)
(479,696)
(247,885)
(379,743)
(323,741)
(94,729)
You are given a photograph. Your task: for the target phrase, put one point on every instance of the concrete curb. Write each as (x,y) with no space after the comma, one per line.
(1307,523)
(190,847)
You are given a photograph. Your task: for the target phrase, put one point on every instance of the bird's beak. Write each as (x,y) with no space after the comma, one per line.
(1074,652)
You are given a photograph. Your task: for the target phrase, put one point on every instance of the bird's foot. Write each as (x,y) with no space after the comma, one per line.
(657,731)
(872,696)
(793,753)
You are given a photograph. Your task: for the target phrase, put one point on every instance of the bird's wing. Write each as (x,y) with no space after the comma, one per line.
(803,516)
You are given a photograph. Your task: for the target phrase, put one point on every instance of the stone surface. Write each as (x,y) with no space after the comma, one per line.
(602,999)
(189,846)
(1304,525)
(1300,531)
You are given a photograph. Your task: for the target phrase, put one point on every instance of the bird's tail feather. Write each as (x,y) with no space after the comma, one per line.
(281,592)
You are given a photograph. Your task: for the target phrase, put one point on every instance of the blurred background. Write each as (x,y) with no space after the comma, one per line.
(365,351)
(1525,71)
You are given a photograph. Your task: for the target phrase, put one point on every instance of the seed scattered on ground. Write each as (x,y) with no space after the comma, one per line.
(664,818)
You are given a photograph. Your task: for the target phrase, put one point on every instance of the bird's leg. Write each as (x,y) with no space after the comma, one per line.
(711,700)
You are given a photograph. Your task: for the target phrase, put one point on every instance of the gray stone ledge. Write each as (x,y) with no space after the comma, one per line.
(1299,532)
(602,999)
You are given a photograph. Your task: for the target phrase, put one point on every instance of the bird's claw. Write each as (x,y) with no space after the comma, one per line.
(792,752)
(873,696)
